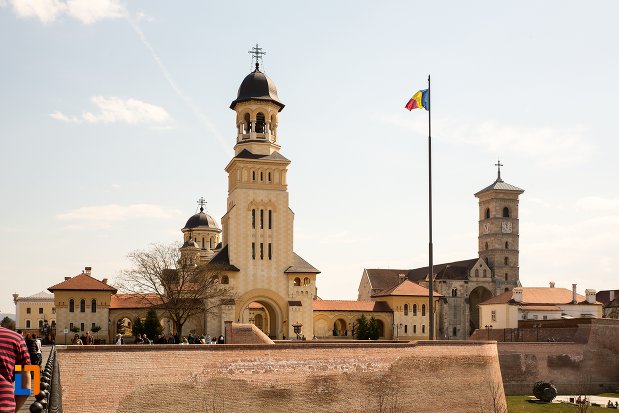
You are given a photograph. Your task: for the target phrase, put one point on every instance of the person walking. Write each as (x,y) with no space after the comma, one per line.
(39,347)
(13,352)
(31,345)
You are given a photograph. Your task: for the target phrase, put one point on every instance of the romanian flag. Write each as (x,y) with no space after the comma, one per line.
(419,100)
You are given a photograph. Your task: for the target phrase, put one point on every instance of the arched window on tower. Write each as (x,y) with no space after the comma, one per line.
(506,212)
(454,292)
(476,272)
(506,277)
(260,122)
(486,245)
(506,245)
(212,241)
(506,260)
(253,176)
(487,213)
(247,122)
(297,282)
(203,243)
(253,218)
(306,281)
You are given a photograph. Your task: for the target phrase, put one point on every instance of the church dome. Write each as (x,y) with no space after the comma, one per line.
(201,219)
(257,86)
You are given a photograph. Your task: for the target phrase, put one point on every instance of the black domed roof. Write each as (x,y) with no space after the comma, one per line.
(257,86)
(201,219)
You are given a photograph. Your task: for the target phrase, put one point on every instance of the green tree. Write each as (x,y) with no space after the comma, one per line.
(138,327)
(152,326)
(7,323)
(75,329)
(362,328)
(373,329)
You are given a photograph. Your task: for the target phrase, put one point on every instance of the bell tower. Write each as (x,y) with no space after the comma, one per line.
(499,231)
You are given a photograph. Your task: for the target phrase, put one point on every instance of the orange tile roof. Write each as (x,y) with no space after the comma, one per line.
(134,301)
(540,308)
(344,305)
(407,288)
(82,282)
(539,295)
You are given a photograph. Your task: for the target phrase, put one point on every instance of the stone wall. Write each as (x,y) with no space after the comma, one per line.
(293,377)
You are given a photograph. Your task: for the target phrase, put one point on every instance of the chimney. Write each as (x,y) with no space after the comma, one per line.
(67,278)
(87,270)
(574,300)
(517,294)
(401,278)
(552,284)
(104,281)
(590,294)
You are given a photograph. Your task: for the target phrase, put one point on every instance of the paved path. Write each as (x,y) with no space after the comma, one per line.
(594,399)
(26,407)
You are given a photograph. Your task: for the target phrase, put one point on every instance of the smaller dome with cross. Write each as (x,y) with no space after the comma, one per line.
(257,86)
(201,219)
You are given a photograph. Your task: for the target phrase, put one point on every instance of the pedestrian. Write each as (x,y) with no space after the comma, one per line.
(77,341)
(139,339)
(119,339)
(14,353)
(146,339)
(39,346)
(184,341)
(88,338)
(171,340)
(221,340)
(31,345)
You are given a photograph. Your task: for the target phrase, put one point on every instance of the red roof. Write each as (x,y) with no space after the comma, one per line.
(134,300)
(407,288)
(344,305)
(83,282)
(539,295)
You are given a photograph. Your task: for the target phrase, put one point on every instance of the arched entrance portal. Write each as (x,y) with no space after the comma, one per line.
(478,295)
(264,314)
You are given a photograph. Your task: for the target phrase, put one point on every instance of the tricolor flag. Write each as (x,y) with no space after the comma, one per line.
(419,100)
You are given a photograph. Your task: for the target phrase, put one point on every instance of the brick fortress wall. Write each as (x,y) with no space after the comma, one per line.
(293,377)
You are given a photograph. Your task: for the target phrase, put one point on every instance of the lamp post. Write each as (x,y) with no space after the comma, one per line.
(297,329)
(537,327)
(488,328)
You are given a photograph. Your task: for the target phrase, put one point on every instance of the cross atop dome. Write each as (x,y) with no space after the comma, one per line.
(256,54)
(498,165)
(202,203)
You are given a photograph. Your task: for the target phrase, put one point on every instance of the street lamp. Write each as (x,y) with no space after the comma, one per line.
(297,329)
(488,328)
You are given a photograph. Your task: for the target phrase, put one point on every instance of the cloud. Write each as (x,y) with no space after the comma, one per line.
(549,146)
(104,216)
(86,11)
(114,110)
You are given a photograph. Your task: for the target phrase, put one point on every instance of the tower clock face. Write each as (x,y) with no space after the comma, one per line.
(486,228)
(506,227)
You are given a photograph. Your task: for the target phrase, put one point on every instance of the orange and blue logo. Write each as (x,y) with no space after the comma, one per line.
(19,370)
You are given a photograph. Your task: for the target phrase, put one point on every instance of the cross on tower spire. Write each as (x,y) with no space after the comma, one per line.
(202,203)
(498,165)
(256,54)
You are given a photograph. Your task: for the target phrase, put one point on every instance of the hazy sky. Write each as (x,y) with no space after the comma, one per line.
(115,119)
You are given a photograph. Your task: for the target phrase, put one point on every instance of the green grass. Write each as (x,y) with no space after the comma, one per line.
(520,404)
(608,394)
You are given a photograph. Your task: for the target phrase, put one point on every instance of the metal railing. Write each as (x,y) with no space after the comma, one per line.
(49,399)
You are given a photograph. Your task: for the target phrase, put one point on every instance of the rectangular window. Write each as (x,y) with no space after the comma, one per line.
(70,326)
(253,218)
(454,332)
(270,218)
(40,310)
(82,327)
(253,250)
(415,329)
(261,250)
(92,327)
(27,323)
(423,329)
(545,317)
(270,255)
(493,315)
(28,310)
(261,218)
(405,328)
(40,323)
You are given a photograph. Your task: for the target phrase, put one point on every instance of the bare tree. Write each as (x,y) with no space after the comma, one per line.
(583,401)
(165,280)
(497,399)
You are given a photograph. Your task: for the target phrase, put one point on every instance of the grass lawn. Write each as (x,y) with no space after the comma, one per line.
(608,394)
(520,404)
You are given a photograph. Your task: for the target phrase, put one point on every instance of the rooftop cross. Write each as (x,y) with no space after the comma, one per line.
(498,165)
(256,53)
(202,203)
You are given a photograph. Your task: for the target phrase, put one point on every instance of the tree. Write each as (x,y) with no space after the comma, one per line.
(95,330)
(152,326)
(362,328)
(138,327)
(373,332)
(7,323)
(75,329)
(178,286)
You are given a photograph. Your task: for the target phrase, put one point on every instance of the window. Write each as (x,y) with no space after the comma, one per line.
(261,250)
(476,272)
(253,250)
(414,309)
(493,315)
(211,243)
(423,329)
(297,282)
(40,310)
(270,251)
(27,323)
(203,244)
(415,329)
(92,326)
(506,260)
(82,307)
(454,332)
(225,279)
(261,218)
(269,176)
(247,123)
(506,212)
(405,328)
(423,310)
(270,217)
(506,245)
(260,122)
(82,327)
(485,273)
(405,309)
(28,310)
(506,277)
(545,317)
(253,176)
(253,219)
(71,305)
(70,326)
(261,176)
(93,305)
(306,281)
(454,292)
(486,245)
(487,213)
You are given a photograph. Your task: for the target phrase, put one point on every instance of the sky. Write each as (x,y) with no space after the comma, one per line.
(115,119)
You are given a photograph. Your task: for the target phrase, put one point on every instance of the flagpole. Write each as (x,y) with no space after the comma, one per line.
(430,246)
